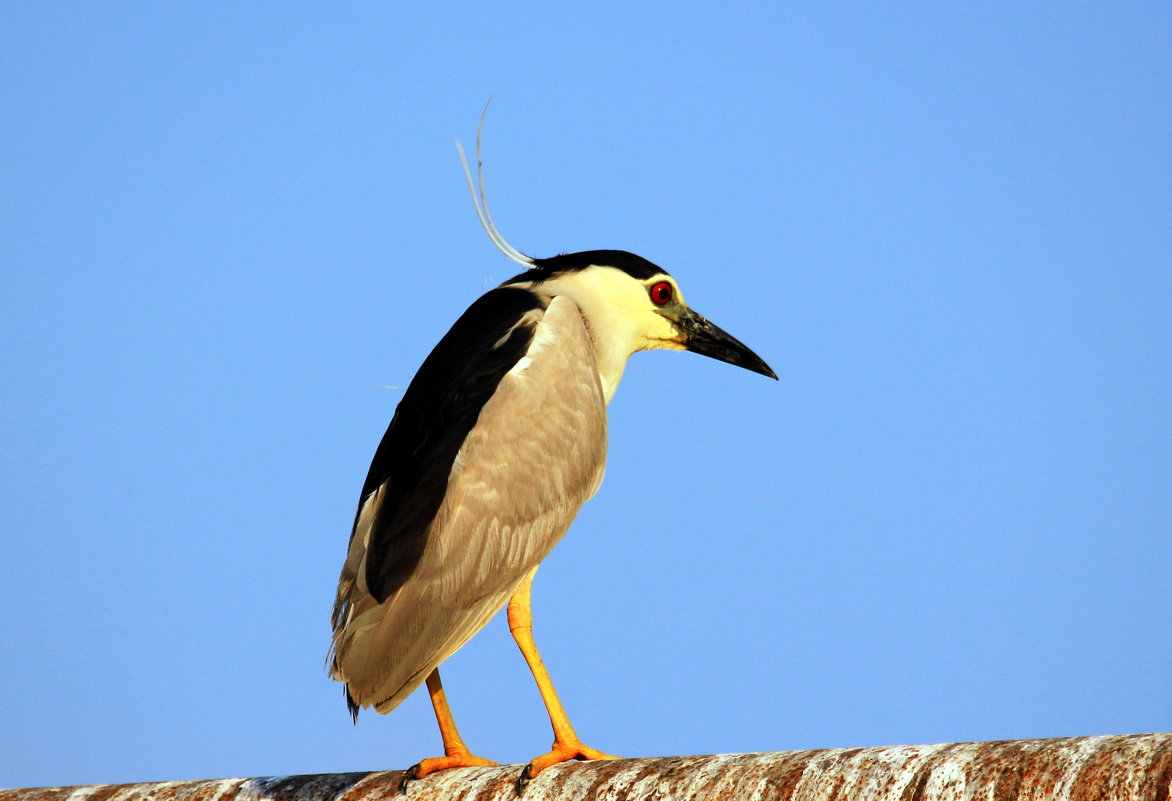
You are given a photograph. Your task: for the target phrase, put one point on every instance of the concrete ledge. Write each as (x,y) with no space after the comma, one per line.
(1130,767)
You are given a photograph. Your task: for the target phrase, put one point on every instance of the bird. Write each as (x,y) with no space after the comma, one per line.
(497,442)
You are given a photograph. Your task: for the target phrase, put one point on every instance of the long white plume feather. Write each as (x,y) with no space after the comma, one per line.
(481,201)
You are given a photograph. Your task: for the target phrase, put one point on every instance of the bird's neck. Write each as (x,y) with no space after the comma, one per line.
(612,329)
(610,369)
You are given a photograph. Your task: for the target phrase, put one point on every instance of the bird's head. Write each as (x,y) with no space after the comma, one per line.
(630,304)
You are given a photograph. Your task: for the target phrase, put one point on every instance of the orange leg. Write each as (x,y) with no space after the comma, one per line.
(456,754)
(566,744)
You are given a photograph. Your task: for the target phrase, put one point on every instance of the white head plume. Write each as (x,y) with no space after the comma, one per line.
(481,202)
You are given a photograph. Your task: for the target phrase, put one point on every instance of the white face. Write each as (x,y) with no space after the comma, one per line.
(624,314)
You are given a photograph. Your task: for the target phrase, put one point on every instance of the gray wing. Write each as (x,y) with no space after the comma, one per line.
(414,460)
(536,453)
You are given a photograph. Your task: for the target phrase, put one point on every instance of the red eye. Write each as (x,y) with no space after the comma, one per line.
(661,293)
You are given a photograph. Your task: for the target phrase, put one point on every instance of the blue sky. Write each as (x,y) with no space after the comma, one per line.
(228,230)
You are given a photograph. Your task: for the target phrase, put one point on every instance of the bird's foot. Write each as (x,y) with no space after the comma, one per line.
(432,765)
(562,752)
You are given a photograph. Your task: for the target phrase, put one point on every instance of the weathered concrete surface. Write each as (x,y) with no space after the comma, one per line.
(1134,767)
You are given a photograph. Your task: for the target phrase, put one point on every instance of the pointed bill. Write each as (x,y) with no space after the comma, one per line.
(708,339)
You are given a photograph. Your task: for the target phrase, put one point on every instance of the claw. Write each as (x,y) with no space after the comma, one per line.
(409,775)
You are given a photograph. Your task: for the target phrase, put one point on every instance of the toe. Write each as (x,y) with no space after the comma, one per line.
(432,765)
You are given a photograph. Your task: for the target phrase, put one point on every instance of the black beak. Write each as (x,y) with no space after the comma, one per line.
(701,336)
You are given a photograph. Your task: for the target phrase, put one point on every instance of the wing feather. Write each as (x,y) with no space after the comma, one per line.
(414,458)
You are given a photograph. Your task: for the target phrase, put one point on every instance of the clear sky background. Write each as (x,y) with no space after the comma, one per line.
(228,231)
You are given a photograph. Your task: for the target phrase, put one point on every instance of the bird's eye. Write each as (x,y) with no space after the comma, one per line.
(661,293)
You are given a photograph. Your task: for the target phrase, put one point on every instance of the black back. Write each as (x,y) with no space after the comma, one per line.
(430,424)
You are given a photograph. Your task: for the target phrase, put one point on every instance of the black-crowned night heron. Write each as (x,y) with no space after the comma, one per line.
(497,442)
